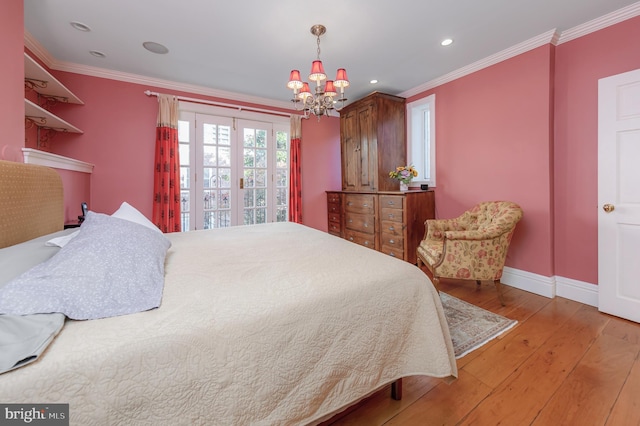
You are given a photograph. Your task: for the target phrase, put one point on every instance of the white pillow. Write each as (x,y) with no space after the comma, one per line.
(126,212)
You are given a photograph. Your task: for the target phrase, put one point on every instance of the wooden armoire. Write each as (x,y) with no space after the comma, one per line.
(370,209)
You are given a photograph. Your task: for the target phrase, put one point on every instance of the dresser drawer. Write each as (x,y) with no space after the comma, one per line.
(360,203)
(391,201)
(394,215)
(360,222)
(367,240)
(335,228)
(390,228)
(393,251)
(333,198)
(334,216)
(333,208)
(393,241)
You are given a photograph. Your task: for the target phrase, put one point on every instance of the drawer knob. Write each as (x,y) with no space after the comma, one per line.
(349,203)
(350,238)
(366,243)
(365,205)
(391,228)
(391,216)
(392,255)
(350,220)
(392,241)
(366,225)
(391,203)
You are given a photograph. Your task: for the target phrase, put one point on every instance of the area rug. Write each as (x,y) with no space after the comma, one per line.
(471,326)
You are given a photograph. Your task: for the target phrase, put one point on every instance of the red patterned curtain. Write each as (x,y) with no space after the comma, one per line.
(295,176)
(166,185)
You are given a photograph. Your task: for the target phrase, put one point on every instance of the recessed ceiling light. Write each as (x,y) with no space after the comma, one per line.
(446,42)
(154,47)
(80,26)
(97,54)
(374,81)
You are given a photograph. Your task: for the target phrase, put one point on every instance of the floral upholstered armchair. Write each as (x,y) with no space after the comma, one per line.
(472,246)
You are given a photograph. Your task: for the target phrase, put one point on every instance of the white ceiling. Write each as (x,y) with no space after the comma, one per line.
(248,47)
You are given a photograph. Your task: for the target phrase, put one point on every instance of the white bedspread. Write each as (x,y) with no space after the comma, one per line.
(272,324)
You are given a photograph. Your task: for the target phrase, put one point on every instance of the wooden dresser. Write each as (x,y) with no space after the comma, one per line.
(388,221)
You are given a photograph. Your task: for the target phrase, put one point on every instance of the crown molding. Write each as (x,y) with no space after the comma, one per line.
(550,37)
(516,50)
(37,49)
(594,25)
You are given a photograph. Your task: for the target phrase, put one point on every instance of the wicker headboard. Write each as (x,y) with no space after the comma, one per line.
(31,202)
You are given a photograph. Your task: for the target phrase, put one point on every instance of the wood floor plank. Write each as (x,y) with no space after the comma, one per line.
(519,398)
(591,389)
(446,404)
(497,362)
(529,374)
(626,410)
(379,408)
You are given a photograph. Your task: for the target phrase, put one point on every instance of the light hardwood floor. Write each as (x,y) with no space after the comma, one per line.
(565,363)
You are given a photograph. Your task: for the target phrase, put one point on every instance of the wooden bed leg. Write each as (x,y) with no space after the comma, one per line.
(396,390)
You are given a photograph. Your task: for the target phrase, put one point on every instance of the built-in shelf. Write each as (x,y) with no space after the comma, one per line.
(45,119)
(50,92)
(39,79)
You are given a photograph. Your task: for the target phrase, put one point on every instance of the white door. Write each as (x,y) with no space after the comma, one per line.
(619,195)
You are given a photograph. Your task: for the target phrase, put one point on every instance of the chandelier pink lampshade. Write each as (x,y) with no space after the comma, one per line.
(323,100)
(317,72)
(341,78)
(295,82)
(329,89)
(304,92)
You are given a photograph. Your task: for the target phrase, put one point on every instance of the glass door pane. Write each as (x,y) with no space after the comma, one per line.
(255,169)
(216,175)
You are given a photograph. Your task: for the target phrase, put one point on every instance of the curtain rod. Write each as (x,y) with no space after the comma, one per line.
(220,104)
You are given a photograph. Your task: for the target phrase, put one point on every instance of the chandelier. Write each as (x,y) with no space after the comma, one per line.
(322,101)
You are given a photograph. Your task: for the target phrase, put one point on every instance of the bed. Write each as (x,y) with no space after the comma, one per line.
(257,325)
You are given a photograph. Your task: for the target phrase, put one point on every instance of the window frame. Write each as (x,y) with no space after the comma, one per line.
(421,138)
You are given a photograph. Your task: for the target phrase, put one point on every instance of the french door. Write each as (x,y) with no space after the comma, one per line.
(233,171)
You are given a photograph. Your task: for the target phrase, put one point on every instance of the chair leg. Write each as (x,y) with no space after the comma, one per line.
(478,282)
(499,288)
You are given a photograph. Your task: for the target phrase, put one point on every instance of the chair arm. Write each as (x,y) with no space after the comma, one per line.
(436,228)
(488,233)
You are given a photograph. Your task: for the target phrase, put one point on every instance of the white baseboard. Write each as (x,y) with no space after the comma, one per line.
(551,287)
(579,291)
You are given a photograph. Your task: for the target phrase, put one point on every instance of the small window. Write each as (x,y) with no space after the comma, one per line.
(421,129)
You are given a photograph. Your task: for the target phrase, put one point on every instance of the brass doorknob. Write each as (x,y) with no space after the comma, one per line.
(608,208)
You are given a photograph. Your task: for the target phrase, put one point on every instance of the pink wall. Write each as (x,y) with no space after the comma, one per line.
(77,188)
(579,65)
(12,81)
(494,142)
(320,168)
(118,121)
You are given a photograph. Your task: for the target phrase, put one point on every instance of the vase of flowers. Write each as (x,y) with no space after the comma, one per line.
(404,174)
